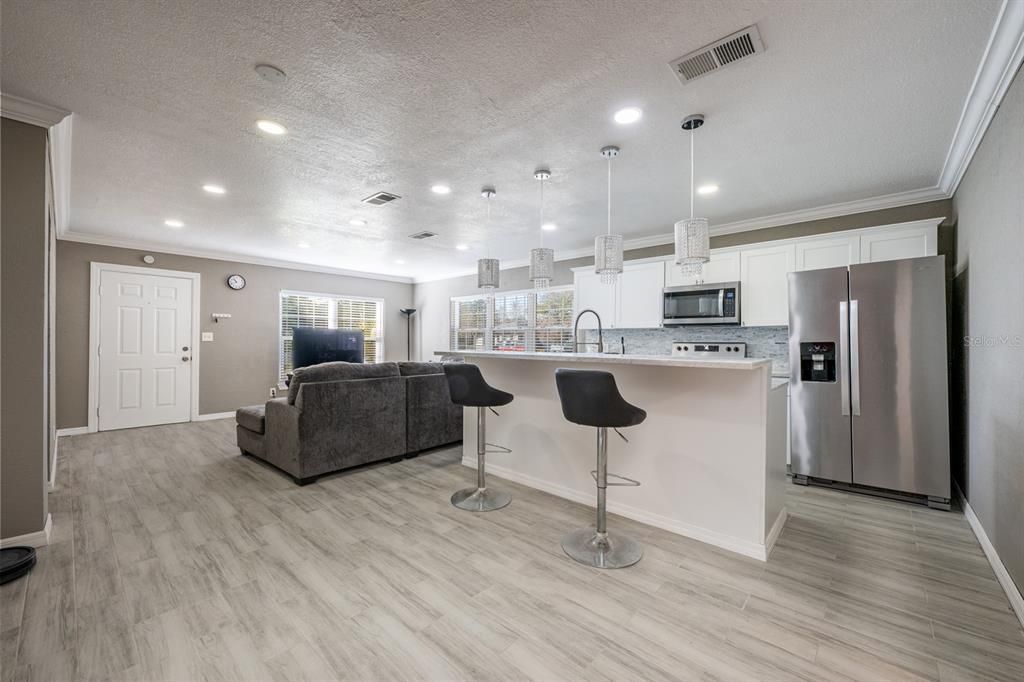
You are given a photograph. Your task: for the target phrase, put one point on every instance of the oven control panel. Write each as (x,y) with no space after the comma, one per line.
(704,349)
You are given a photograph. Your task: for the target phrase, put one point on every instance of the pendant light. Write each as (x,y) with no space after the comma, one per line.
(488,270)
(608,246)
(542,261)
(693,240)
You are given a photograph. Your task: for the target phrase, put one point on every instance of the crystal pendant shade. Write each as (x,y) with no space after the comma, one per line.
(693,245)
(542,267)
(608,257)
(488,273)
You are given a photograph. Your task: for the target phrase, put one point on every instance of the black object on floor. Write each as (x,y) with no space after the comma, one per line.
(16,562)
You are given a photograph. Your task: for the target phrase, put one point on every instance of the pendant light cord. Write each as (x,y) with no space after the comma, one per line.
(609,195)
(542,212)
(691,174)
(487,228)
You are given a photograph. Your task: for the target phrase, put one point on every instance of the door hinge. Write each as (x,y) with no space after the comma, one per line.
(97,411)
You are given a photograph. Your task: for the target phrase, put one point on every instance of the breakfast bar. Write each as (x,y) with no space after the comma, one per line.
(711,455)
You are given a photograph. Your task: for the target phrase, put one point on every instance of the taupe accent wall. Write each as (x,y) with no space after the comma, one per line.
(432,298)
(241,364)
(23,443)
(988,313)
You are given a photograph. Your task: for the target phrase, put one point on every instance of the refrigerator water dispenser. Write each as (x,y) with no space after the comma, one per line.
(818,361)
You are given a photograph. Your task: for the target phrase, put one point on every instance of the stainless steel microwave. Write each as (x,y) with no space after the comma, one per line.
(702,304)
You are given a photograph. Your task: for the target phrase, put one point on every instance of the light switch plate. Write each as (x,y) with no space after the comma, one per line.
(207,336)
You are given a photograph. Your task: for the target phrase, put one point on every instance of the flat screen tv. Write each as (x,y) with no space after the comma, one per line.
(312,346)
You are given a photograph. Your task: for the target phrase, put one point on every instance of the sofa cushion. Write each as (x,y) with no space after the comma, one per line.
(252,418)
(338,371)
(415,369)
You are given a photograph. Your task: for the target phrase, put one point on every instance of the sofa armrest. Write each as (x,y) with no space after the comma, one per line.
(281,437)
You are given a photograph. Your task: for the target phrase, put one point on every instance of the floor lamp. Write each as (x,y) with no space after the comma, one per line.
(408,312)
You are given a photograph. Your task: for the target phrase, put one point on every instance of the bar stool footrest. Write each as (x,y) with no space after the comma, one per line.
(620,480)
(500,449)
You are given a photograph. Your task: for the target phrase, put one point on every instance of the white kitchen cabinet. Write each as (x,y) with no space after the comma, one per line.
(899,242)
(827,252)
(590,292)
(640,296)
(764,287)
(724,266)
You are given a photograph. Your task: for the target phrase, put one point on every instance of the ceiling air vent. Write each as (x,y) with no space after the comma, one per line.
(730,49)
(425,234)
(380,198)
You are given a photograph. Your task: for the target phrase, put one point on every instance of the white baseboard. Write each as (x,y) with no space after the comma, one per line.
(775,532)
(40,538)
(740,546)
(214,416)
(1002,575)
(73,431)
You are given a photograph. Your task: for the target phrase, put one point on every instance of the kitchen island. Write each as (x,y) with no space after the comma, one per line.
(711,455)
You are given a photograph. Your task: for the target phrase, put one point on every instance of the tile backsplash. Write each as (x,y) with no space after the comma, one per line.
(762,342)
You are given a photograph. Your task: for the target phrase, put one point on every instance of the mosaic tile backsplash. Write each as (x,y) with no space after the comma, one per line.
(762,342)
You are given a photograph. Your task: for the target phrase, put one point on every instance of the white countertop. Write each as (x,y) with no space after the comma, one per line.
(605,358)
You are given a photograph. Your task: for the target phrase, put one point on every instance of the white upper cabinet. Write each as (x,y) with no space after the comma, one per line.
(589,292)
(724,266)
(640,300)
(827,252)
(899,242)
(764,287)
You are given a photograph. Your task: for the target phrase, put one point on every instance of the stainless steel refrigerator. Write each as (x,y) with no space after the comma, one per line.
(868,398)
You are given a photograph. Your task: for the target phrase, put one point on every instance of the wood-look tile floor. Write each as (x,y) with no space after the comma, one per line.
(173,558)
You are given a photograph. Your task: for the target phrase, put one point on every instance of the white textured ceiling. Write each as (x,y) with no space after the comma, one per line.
(850,100)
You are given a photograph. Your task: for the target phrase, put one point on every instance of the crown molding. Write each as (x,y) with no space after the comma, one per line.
(1003,57)
(210,254)
(59,148)
(33,113)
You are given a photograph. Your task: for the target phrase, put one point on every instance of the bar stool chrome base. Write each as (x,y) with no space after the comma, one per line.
(481,499)
(587,546)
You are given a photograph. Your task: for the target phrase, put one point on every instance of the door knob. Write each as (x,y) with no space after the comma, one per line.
(185,358)
(184,348)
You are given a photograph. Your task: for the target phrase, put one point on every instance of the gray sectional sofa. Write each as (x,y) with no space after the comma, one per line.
(339,415)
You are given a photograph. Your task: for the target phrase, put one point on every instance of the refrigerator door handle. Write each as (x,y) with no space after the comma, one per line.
(854,358)
(844,358)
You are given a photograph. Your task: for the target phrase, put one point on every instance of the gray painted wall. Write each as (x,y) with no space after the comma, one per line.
(23,439)
(240,365)
(431,298)
(988,302)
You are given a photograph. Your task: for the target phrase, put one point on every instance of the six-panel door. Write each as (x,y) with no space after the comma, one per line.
(144,350)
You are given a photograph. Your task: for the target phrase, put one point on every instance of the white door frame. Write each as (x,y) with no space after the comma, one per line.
(95,272)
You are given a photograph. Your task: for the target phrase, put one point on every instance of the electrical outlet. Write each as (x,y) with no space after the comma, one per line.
(207,336)
(273,392)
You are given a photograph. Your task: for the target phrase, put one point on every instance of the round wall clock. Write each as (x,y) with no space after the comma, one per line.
(236,282)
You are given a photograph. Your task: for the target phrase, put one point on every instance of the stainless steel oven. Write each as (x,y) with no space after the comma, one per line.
(702,304)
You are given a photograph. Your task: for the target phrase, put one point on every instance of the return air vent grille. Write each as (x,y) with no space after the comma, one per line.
(425,234)
(712,57)
(381,198)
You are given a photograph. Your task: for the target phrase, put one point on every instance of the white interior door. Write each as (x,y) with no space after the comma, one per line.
(145,350)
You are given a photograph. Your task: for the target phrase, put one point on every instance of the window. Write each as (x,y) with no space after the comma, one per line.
(330,311)
(513,321)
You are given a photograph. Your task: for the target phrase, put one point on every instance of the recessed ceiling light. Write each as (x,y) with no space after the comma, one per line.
(549,227)
(271,127)
(707,189)
(174,223)
(358,222)
(400,262)
(441,189)
(461,247)
(214,189)
(303,245)
(628,115)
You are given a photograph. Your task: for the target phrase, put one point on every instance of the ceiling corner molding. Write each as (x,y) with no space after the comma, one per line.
(879,203)
(33,113)
(136,245)
(999,64)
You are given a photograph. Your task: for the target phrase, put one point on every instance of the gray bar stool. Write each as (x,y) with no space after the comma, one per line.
(468,388)
(591,398)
